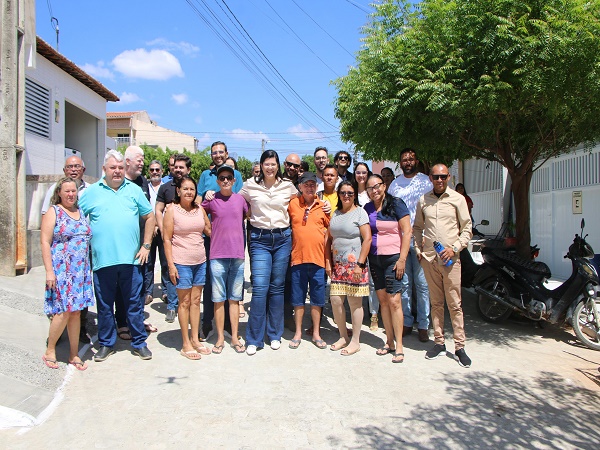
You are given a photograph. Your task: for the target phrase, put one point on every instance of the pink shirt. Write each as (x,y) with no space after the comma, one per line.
(188,243)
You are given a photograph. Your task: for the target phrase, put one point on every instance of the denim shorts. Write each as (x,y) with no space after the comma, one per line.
(383,273)
(304,275)
(227,276)
(190,275)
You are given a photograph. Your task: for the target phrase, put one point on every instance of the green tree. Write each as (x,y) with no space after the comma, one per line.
(512,81)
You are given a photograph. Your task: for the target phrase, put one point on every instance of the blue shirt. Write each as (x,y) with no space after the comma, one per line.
(167,178)
(115,221)
(208,182)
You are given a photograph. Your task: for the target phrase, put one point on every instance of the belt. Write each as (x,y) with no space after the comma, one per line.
(272,231)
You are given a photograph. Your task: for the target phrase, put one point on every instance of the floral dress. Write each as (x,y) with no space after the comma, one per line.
(345,248)
(70,252)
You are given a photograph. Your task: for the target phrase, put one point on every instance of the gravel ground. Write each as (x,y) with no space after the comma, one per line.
(22,302)
(26,366)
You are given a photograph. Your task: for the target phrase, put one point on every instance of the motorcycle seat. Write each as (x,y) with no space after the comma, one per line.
(538,269)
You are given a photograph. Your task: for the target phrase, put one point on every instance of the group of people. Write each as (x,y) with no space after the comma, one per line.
(355,235)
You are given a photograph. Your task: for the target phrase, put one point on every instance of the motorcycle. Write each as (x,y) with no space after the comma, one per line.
(507,283)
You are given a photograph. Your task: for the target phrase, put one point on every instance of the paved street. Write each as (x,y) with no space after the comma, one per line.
(528,387)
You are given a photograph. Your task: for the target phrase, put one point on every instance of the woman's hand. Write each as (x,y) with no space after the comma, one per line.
(50,280)
(173,275)
(357,272)
(399,268)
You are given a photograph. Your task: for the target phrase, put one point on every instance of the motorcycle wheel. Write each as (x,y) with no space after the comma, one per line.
(490,310)
(584,322)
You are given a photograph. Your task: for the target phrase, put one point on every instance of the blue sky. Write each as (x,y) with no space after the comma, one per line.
(167,58)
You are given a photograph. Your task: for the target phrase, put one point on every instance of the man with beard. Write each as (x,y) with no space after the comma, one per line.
(207,187)
(155,173)
(410,185)
(166,195)
(291,165)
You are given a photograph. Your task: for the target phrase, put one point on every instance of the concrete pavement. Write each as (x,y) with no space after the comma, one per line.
(528,387)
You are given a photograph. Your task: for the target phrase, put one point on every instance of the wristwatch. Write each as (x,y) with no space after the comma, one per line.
(146,246)
(361,265)
(455,249)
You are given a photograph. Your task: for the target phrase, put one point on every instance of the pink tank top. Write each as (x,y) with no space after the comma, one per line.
(188,243)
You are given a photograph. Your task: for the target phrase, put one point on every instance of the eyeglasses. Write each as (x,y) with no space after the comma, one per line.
(154,170)
(343,158)
(375,187)
(225,178)
(305,218)
(319,158)
(217,152)
(346,194)
(443,176)
(74,166)
(291,164)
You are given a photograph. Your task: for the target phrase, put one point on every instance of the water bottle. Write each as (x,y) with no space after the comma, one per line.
(439,248)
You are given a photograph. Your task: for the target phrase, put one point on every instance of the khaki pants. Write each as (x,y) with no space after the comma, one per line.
(444,283)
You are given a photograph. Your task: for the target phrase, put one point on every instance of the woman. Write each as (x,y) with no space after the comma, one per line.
(390,225)
(361,174)
(270,246)
(65,238)
(184,223)
(346,250)
(460,188)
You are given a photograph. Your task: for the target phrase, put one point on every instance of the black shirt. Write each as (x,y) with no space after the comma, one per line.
(142,183)
(166,193)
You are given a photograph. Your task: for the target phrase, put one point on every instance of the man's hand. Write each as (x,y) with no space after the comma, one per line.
(209,195)
(326,207)
(447,254)
(142,255)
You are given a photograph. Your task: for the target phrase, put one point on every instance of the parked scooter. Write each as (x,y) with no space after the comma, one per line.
(506,282)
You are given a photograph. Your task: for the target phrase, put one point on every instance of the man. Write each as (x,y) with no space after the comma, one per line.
(155,173)
(309,224)
(207,186)
(442,215)
(256,170)
(166,194)
(114,207)
(321,157)
(169,176)
(342,161)
(410,186)
(291,165)
(330,177)
(74,168)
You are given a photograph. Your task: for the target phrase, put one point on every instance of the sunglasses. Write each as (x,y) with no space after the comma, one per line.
(291,164)
(343,158)
(154,170)
(346,194)
(225,178)
(375,187)
(440,177)
(218,152)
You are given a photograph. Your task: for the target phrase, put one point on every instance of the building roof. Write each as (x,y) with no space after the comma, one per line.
(72,69)
(120,115)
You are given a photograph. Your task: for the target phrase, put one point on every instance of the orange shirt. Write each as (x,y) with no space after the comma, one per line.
(308,239)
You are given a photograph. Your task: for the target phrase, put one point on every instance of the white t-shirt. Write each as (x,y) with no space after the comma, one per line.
(411,190)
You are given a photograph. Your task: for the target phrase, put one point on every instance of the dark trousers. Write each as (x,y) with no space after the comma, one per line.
(157,244)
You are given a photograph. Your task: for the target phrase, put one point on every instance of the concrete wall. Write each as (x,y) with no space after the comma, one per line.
(152,134)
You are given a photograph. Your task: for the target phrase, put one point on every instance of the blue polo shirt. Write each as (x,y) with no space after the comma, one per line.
(115,221)
(208,182)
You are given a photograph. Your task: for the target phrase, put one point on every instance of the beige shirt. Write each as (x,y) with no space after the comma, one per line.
(445,219)
(269,207)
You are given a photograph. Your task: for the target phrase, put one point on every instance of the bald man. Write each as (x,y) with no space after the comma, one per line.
(291,165)
(74,168)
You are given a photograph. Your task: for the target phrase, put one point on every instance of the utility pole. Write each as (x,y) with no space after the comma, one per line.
(264,141)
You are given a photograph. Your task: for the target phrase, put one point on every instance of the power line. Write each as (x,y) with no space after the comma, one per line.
(362,8)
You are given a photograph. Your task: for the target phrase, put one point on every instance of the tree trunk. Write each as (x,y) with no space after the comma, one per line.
(521,182)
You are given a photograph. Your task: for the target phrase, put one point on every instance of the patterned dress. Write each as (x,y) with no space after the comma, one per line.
(71,263)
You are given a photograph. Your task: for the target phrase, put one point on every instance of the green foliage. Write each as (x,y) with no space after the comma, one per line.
(514,81)
(310,159)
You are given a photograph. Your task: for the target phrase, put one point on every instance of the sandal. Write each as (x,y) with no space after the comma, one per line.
(239,348)
(203,350)
(294,343)
(396,355)
(79,365)
(123,333)
(150,328)
(346,352)
(385,351)
(52,363)
(319,343)
(192,354)
(217,349)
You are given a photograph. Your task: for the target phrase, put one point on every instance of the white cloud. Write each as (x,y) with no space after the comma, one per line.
(300,131)
(98,70)
(180,99)
(248,135)
(148,65)
(129,97)
(204,141)
(184,47)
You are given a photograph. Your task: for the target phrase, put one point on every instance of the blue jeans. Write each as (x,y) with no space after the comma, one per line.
(414,275)
(269,257)
(304,275)
(127,278)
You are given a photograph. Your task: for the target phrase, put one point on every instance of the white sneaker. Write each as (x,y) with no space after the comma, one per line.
(275,345)
(251,350)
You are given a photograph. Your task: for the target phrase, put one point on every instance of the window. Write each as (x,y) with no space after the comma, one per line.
(37,109)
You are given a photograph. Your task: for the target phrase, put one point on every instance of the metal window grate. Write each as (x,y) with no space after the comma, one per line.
(541,180)
(37,109)
(482,176)
(582,170)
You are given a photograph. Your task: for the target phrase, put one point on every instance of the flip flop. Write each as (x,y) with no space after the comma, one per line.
(79,365)
(50,362)
(191,355)
(295,343)
(217,349)
(150,328)
(203,350)
(396,355)
(123,333)
(384,351)
(239,348)
(345,352)
(320,343)
(333,347)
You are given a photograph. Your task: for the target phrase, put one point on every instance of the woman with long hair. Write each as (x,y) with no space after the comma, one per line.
(65,242)
(184,224)
(270,246)
(361,175)
(346,251)
(389,220)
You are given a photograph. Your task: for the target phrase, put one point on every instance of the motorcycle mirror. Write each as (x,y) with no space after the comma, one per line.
(582,224)
(485,222)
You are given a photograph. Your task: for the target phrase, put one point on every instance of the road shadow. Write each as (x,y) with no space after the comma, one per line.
(492,411)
